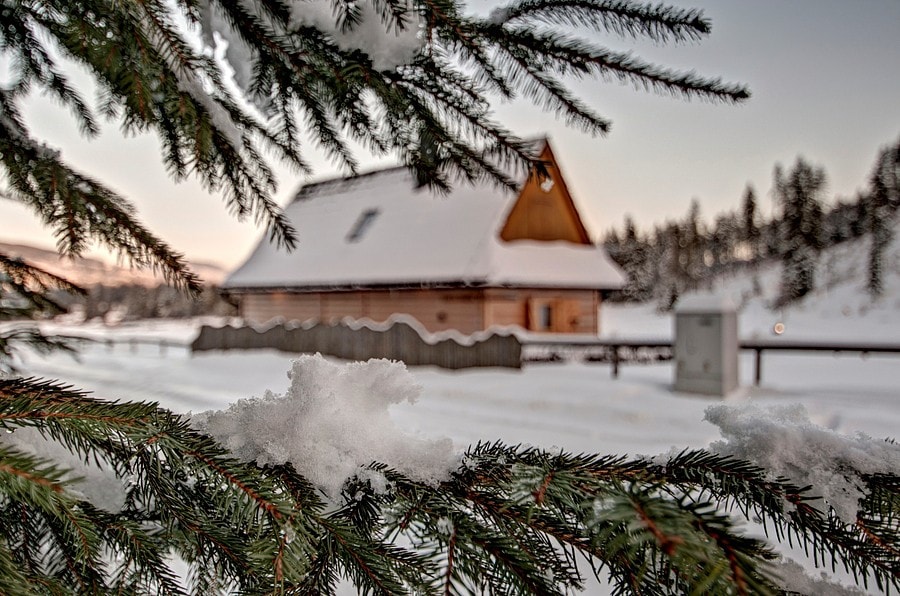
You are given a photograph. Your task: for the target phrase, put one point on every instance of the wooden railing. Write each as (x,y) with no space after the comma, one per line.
(507,351)
(615,351)
(132,342)
(773,345)
(615,348)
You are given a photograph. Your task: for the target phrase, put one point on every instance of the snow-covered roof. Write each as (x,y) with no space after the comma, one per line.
(379,230)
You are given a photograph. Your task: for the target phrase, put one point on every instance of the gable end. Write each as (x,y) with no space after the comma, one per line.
(544,209)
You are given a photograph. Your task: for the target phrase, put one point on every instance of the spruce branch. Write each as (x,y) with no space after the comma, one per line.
(510,519)
(659,23)
(34,285)
(791,512)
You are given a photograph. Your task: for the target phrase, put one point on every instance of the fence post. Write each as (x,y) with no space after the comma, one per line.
(758,373)
(615,362)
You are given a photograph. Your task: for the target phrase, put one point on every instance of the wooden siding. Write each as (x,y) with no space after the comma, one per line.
(467,311)
(437,310)
(545,210)
(543,310)
(264,307)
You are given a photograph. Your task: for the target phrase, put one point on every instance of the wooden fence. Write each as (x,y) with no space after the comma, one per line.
(861,348)
(400,341)
(132,342)
(617,351)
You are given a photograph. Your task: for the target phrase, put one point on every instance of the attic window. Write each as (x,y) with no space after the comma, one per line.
(363,223)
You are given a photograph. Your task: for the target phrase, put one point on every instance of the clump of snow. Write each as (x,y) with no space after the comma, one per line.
(96,483)
(782,440)
(499,15)
(445,526)
(331,423)
(795,579)
(376,480)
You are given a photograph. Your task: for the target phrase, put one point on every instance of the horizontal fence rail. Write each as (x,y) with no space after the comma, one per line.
(615,351)
(619,350)
(402,342)
(862,348)
(133,342)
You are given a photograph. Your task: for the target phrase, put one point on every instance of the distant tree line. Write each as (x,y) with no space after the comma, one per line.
(134,302)
(686,254)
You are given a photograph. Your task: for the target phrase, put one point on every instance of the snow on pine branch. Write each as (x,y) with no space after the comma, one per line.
(782,440)
(332,422)
(387,44)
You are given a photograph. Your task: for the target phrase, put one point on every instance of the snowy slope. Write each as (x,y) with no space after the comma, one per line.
(839,309)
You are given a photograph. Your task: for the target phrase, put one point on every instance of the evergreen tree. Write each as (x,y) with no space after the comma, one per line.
(671,266)
(801,227)
(883,199)
(632,254)
(692,240)
(751,233)
(721,243)
(512,519)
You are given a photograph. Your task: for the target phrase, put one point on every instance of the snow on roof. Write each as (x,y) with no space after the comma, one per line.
(705,303)
(378,229)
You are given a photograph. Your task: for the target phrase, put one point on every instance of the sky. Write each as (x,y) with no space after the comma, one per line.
(823,74)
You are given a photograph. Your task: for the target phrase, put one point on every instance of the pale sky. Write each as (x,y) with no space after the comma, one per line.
(825,78)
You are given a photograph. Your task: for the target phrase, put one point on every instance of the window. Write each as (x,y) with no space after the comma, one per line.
(546,316)
(363,223)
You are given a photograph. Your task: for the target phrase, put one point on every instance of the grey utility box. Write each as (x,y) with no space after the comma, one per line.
(706,345)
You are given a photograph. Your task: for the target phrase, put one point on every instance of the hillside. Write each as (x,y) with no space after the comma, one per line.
(839,308)
(89,271)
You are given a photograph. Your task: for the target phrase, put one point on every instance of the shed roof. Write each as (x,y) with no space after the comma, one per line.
(379,230)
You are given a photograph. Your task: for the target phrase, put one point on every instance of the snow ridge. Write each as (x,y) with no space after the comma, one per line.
(331,423)
(782,440)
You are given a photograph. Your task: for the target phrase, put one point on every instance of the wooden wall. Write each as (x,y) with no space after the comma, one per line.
(552,311)
(467,311)
(545,210)
(437,310)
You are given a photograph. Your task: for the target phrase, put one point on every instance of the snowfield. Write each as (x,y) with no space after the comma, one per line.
(575,406)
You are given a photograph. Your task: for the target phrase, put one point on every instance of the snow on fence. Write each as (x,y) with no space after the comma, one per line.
(398,341)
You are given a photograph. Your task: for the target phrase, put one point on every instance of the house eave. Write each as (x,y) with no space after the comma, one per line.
(351,287)
(388,286)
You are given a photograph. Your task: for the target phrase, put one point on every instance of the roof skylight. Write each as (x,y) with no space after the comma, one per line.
(363,223)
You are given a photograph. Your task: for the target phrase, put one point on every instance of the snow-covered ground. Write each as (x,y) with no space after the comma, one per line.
(576,406)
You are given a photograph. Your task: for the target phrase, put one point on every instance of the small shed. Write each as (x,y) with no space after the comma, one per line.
(377,244)
(706,345)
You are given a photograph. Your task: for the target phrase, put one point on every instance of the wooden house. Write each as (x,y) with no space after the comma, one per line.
(374,245)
